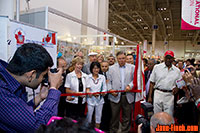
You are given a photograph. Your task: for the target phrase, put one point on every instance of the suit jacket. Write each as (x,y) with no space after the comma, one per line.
(86,68)
(147,75)
(115,81)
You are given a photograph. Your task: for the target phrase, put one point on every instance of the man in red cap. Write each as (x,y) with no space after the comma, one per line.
(163,81)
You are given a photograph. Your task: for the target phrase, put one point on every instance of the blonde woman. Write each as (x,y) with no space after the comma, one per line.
(76,83)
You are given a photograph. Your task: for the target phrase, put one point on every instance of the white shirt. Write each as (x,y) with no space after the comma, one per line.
(122,76)
(163,78)
(98,85)
(73,83)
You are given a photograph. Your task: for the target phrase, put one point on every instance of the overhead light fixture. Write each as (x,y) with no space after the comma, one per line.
(166,18)
(146,27)
(168,27)
(122,43)
(139,19)
(165,8)
(125,28)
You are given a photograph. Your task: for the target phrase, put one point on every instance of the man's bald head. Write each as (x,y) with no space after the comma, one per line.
(161,118)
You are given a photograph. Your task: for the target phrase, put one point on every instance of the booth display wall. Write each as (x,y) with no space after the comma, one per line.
(179,48)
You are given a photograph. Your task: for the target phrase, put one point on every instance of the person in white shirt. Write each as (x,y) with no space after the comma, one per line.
(163,80)
(95,83)
(76,83)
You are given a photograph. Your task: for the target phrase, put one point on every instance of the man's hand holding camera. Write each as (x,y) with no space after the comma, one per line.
(55,79)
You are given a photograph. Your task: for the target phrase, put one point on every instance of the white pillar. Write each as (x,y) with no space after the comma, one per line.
(153,36)
(113,43)
(103,8)
(17,9)
(7,8)
(84,18)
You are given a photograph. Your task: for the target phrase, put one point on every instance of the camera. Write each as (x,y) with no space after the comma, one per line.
(145,123)
(145,120)
(45,81)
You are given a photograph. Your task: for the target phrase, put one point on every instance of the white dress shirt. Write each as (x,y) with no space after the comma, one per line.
(98,85)
(122,76)
(163,78)
(73,83)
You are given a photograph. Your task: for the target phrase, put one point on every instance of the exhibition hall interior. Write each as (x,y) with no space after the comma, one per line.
(113,66)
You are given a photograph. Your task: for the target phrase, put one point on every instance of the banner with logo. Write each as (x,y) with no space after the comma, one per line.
(190,19)
(22,33)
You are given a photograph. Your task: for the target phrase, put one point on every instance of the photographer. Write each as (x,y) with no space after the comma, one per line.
(27,68)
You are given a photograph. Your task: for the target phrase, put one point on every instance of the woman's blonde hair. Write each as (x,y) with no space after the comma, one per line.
(74,62)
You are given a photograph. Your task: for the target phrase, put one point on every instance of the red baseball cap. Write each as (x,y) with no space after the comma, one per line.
(171,53)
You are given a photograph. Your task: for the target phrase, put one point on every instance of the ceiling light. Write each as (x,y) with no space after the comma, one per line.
(139,19)
(168,27)
(166,18)
(146,27)
(122,43)
(165,8)
(125,28)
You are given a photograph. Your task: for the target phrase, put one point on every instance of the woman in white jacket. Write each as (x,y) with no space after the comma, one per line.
(95,83)
(76,83)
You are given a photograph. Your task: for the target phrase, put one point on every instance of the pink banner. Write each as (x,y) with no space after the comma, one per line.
(190,18)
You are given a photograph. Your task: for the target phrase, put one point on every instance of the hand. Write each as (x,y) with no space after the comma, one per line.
(107,81)
(114,93)
(187,77)
(90,95)
(149,100)
(195,86)
(96,95)
(70,98)
(81,95)
(43,92)
(192,68)
(140,128)
(128,88)
(55,79)
(175,90)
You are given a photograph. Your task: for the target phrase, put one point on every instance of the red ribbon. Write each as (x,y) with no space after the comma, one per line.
(80,94)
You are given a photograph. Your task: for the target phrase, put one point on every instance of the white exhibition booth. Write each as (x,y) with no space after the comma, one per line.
(13,34)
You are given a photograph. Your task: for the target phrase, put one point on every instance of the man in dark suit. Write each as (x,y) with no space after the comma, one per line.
(148,72)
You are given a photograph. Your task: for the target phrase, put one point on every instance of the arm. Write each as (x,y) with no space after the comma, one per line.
(130,85)
(151,87)
(41,96)
(21,117)
(109,84)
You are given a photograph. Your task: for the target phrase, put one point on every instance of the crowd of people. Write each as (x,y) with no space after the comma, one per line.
(172,86)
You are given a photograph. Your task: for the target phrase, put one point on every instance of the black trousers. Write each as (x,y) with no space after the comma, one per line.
(106,115)
(76,111)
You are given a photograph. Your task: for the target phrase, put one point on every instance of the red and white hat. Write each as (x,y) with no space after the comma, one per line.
(171,53)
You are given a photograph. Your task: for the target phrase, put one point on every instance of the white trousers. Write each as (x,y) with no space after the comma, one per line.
(163,102)
(98,113)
